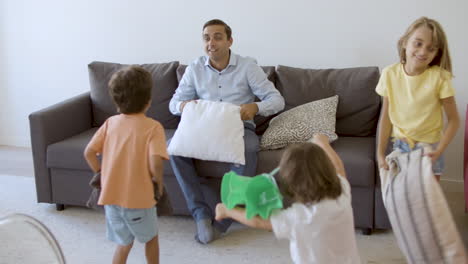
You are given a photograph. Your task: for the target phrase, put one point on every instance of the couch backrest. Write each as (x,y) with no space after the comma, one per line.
(165,84)
(358,103)
(358,106)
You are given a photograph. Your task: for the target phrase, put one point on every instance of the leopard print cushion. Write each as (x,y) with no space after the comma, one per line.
(300,123)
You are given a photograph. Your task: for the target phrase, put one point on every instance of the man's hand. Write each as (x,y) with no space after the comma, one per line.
(182,105)
(248,111)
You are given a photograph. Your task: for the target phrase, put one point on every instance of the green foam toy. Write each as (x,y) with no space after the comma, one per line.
(233,188)
(262,196)
(259,194)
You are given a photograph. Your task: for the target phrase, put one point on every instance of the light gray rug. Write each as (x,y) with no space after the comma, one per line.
(81,234)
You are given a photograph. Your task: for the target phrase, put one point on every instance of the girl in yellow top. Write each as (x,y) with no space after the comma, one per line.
(416,92)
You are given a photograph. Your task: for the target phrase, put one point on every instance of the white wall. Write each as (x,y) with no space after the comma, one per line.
(45,46)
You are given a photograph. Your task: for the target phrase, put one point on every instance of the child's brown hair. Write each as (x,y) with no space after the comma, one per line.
(308,175)
(130,89)
(439,39)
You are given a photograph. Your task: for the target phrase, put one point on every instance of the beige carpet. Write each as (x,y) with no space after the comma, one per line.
(81,234)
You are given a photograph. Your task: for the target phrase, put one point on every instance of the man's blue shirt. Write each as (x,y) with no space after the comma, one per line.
(238,84)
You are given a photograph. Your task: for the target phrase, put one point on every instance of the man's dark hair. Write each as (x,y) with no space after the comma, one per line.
(221,23)
(130,89)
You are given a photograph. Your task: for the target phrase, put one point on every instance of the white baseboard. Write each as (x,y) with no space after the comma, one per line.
(451,180)
(15,141)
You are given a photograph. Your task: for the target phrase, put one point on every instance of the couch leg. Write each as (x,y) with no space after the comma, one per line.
(366,231)
(60,207)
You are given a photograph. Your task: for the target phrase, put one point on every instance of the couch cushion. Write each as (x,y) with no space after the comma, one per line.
(357,154)
(180,72)
(165,83)
(68,153)
(359,105)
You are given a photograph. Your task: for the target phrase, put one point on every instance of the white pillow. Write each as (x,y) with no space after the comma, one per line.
(210,131)
(417,209)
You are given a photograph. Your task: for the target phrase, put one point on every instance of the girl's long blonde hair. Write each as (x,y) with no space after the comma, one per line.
(439,40)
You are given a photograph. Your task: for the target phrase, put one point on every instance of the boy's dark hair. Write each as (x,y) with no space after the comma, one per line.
(308,175)
(213,22)
(130,89)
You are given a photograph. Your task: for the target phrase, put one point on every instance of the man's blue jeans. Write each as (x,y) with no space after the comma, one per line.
(189,181)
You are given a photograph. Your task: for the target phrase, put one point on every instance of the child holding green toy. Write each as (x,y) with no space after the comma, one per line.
(319,224)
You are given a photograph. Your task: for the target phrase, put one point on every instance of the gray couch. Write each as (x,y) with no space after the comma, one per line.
(60,133)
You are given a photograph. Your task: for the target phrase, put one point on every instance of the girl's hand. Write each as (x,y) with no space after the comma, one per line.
(382,162)
(434,155)
(319,137)
(221,212)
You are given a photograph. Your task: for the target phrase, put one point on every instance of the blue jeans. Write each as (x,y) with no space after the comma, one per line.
(437,166)
(189,181)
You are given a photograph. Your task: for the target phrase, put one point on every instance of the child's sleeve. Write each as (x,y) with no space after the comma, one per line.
(97,141)
(446,88)
(346,188)
(281,223)
(381,88)
(157,143)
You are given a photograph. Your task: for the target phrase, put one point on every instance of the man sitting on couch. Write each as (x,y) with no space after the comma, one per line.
(226,77)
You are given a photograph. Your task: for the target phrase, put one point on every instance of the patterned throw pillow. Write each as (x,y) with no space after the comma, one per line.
(300,123)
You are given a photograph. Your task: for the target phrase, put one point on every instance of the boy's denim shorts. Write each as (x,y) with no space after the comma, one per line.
(437,166)
(123,225)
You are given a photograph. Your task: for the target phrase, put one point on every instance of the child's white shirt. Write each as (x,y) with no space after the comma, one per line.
(321,232)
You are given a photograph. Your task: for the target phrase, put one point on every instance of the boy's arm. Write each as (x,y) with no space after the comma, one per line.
(91,157)
(238,214)
(156,170)
(323,141)
(453,122)
(384,132)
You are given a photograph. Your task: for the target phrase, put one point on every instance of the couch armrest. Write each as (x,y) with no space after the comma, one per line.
(389,145)
(51,125)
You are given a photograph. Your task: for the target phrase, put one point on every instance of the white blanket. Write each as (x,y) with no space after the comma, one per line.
(417,209)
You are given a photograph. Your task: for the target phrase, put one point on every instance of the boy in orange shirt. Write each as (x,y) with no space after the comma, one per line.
(133,147)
